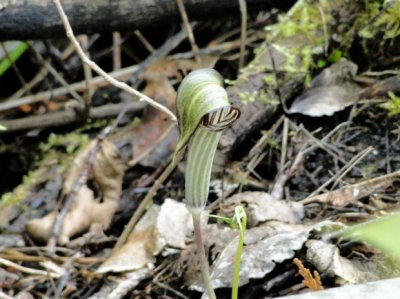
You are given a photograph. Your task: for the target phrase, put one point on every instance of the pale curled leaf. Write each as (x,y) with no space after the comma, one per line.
(322,101)
(139,250)
(330,91)
(174,224)
(326,258)
(264,247)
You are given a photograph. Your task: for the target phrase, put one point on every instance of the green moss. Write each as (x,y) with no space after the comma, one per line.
(20,192)
(94,124)
(378,18)
(70,143)
(393,105)
(295,40)
(304,19)
(260,95)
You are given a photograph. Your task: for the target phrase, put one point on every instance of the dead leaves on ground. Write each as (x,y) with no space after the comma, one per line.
(86,209)
(162,229)
(149,134)
(167,229)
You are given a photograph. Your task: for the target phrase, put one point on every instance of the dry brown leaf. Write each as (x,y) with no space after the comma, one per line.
(310,281)
(86,211)
(153,123)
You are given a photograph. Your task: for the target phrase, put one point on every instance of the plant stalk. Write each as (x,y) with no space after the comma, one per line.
(242,228)
(204,267)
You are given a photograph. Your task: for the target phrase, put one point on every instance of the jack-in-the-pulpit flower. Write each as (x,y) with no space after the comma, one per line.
(203,112)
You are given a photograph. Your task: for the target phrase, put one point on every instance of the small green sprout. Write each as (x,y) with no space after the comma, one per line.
(238,221)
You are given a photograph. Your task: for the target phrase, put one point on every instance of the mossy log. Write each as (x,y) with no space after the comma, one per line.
(285,62)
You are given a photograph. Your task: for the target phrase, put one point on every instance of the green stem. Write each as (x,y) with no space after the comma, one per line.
(202,255)
(235,283)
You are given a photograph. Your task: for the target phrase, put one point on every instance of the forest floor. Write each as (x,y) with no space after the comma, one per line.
(315,151)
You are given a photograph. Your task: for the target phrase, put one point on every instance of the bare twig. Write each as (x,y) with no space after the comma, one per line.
(27,270)
(189,30)
(67,117)
(284,176)
(101,72)
(123,74)
(145,202)
(87,72)
(116,50)
(79,86)
(144,41)
(56,75)
(353,192)
(243,31)
(337,177)
(284,142)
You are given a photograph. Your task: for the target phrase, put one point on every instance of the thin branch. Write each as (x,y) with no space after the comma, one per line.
(338,176)
(87,72)
(68,116)
(144,41)
(243,31)
(189,30)
(26,269)
(97,69)
(56,75)
(116,50)
(143,205)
